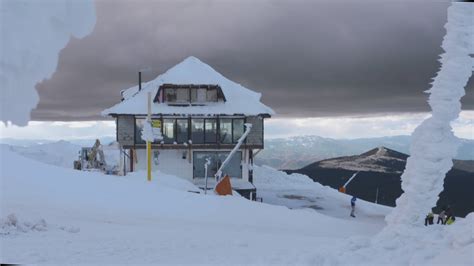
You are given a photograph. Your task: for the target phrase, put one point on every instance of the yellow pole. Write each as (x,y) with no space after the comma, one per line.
(148,144)
(148,154)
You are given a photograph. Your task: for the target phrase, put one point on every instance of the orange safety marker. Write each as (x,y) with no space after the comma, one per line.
(224,187)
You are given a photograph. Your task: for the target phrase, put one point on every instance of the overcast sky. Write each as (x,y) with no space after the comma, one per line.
(308,58)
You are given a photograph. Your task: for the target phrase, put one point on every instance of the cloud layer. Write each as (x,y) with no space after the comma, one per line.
(308,58)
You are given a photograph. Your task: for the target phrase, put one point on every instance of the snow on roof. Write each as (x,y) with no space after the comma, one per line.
(240,100)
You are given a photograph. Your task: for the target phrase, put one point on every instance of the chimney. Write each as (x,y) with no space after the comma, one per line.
(139,80)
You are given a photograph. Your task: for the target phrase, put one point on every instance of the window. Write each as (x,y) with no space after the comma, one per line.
(190,93)
(168,130)
(233,168)
(210,127)
(170,95)
(238,129)
(225,127)
(182,130)
(197,131)
(198,95)
(211,95)
(139,122)
(138,130)
(177,95)
(182,95)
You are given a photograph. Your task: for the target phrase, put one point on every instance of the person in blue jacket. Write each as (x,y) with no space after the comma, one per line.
(353,205)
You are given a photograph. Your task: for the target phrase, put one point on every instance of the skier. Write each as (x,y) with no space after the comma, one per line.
(442,217)
(450,220)
(353,205)
(429,219)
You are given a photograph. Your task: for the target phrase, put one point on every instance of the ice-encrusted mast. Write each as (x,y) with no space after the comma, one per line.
(433,142)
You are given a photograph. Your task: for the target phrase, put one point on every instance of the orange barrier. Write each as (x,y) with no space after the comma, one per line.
(224,187)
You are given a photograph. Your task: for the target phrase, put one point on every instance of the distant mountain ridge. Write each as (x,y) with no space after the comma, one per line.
(297,152)
(380,171)
(380,159)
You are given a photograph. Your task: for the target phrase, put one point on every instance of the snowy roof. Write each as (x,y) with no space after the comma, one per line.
(239,100)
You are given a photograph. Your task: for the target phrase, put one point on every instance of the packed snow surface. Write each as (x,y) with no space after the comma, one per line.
(89,217)
(61,153)
(240,100)
(32,33)
(129,220)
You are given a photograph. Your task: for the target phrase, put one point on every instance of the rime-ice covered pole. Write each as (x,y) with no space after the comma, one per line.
(433,142)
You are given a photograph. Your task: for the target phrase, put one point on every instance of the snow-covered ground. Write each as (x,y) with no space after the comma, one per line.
(298,191)
(61,153)
(50,214)
(89,217)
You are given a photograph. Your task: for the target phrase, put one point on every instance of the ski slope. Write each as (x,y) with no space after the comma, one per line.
(90,217)
(56,215)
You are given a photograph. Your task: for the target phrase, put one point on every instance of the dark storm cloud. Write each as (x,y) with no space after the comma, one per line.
(308,58)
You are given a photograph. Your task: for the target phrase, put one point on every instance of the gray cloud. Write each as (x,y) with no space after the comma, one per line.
(308,58)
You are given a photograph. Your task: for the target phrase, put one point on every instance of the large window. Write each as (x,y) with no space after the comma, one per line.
(210,130)
(238,129)
(197,131)
(168,130)
(225,130)
(233,168)
(182,130)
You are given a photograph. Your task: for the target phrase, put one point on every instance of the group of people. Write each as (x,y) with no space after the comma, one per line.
(444,217)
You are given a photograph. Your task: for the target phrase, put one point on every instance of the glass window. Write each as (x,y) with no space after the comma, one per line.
(210,135)
(233,168)
(225,128)
(211,95)
(198,95)
(182,130)
(199,159)
(238,129)
(170,95)
(182,95)
(138,130)
(168,130)
(197,131)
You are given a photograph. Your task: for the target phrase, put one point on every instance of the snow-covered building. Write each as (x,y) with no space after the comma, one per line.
(201,115)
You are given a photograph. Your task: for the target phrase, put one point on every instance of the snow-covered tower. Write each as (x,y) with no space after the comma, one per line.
(201,115)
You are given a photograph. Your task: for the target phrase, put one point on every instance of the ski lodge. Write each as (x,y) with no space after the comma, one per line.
(201,115)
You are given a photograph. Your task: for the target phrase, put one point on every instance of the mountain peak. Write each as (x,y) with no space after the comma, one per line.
(383,151)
